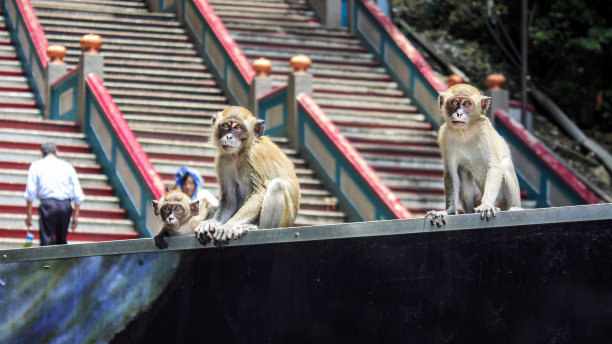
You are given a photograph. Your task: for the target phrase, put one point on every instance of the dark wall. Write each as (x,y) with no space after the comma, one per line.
(530,284)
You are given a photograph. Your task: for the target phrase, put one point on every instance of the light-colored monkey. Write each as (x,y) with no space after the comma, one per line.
(259,188)
(180,215)
(478,169)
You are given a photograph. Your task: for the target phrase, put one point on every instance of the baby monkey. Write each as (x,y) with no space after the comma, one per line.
(478,169)
(180,215)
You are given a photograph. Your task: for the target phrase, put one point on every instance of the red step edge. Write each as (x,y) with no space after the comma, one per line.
(113,214)
(72,235)
(20,165)
(39,124)
(87,190)
(68,148)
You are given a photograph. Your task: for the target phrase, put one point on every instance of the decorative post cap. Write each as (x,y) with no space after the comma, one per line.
(454,79)
(300,63)
(56,53)
(495,81)
(91,43)
(262,66)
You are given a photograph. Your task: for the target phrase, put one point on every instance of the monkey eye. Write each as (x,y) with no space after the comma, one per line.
(238,127)
(467,103)
(166,208)
(178,209)
(455,102)
(225,125)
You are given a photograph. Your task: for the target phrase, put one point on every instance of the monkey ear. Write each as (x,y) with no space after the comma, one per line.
(259,128)
(484,103)
(441,98)
(155,204)
(214,117)
(194,207)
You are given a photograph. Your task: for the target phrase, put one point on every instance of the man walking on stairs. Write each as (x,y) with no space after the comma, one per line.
(55,183)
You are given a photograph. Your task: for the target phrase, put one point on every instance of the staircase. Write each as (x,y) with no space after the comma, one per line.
(22,131)
(164,90)
(351,87)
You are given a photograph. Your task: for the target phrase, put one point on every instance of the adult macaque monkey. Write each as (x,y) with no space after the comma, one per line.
(259,188)
(180,215)
(478,169)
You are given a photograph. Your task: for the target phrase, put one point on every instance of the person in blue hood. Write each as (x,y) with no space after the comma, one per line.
(190,182)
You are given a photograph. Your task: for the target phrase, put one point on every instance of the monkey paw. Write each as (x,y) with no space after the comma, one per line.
(205,230)
(486,210)
(160,242)
(226,232)
(437,217)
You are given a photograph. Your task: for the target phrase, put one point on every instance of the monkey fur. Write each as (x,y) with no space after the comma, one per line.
(180,215)
(478,172)
(259,188)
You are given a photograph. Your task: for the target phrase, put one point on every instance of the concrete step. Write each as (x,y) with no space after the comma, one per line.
(100,26)
(98,10)
(161,95)
(97,19)
(41,136)
(390,132)
(274,41)
(120,45)
(365,137)
(286,53)
(396,149)
(28,156)
(6,113)
(288,19)
(86,224)
(112,3)
(8,65)
(122,87)
(21,175)
(88,190)
(13,81)
(91,202)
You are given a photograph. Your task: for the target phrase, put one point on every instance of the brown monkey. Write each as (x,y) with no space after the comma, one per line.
(180,215)
(478,169)
(259,188)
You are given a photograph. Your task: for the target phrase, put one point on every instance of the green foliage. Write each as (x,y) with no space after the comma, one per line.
(569,48)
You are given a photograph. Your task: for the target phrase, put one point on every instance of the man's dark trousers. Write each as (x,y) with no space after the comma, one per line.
(53,221)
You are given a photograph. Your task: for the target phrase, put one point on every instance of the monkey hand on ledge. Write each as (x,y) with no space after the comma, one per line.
(437,217)
(224,233)
(486,210)
(205,230)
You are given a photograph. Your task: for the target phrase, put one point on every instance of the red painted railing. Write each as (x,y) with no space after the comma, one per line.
(406,46)
(36,32)
(546,157)
(355,159)
(126,136)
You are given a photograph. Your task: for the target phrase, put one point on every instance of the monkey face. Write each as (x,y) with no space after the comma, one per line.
(459,111)
(172,215)
(231,134)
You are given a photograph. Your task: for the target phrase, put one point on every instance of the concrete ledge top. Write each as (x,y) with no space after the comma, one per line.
(523,218)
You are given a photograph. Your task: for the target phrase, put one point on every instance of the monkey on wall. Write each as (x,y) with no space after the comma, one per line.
(259,188)
(180,215)
(478,170)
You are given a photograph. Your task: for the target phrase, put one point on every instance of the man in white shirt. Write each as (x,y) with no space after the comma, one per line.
(55,183)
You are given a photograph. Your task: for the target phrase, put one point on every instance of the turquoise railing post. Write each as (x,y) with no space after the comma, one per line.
(262,83)
(56,68)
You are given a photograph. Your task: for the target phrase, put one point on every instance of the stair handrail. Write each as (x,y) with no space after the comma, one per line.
(119,153)
(213,41)
(403,61)
(362,179)
(331,147)
(33,50)
(552,172)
